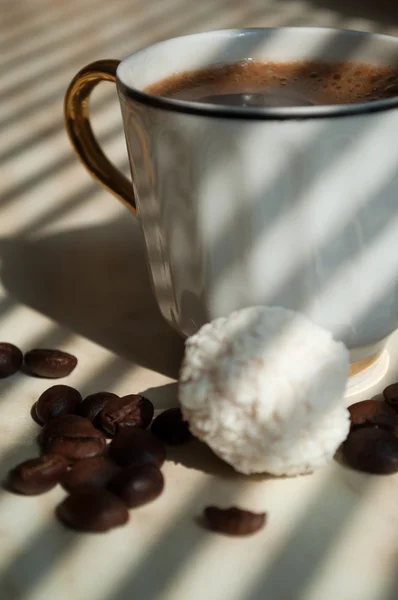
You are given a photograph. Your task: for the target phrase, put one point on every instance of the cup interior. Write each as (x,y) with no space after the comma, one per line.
(197,51)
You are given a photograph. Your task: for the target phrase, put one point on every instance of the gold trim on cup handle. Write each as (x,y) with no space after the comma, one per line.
(77,123)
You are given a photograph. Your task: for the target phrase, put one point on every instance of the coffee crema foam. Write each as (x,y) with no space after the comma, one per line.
(300,83)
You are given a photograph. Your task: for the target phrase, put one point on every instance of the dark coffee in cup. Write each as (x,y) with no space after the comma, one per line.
(299,83)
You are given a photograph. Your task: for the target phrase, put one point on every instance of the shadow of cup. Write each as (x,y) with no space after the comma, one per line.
(94,281)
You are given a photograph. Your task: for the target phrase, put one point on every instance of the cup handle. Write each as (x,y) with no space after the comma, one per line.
(78,127)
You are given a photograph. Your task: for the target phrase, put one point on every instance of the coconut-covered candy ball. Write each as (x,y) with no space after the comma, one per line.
(264,388)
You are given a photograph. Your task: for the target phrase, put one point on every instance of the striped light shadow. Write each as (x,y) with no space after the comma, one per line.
(277,14)
(50,156)
(382,13)
(22,143)
(43,124)
(327,232)
(168,536)
(370,294)
(13,13)
(81,44)
(308,544)
(40,178)
(69,204)
(43,552)
(7,306)
(231,579)
(41,20)
(362,561)
(106,372)
(59,38)
(15,507)
(28,331)
(391,593)
(279,225)
(44,100)
(54,150)
(325,512)
(22,186)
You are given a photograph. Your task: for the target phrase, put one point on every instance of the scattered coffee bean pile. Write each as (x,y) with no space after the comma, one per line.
(103,480)
(372,444)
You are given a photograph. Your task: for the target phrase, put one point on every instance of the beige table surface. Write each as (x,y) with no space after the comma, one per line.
(72,276)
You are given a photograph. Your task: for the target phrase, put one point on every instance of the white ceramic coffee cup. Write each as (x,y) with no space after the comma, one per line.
(294,207)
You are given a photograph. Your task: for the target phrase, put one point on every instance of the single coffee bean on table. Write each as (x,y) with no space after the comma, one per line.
(390,394)
(72,436)
(10,359)
(92,510)
(372,413)
(37,475)
(137,485)
(92,405)
(372,450)
(171,428)
(96,471)
(133,410)
(56,401)
(233,521)
(51,364)
(134,446)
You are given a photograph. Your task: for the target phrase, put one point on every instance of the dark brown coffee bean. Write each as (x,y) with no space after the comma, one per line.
(170,427)
(372,413)
(72,436)
(129,411)
(37,475)
(49,363)
(10,359)
(92,510)
(134,446)
(58,400)
(137,485)
(96,471)
(91,406)
(58,425)
(391,396)
(233,521)
(34,416)
(373,450)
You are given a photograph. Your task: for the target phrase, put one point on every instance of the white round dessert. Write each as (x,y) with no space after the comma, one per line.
(264,388)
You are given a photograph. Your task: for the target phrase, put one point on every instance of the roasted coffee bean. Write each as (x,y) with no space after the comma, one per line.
(49,363)
(373,450)
(10,359)
(129,411)
(134,446)
(93,404)
(72,436)
(37,475)
(60,424)
(93,510)
(372,413)
(391,395)
(58,400)
(170,427)
(96,471)
(233,521)
(137,485)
